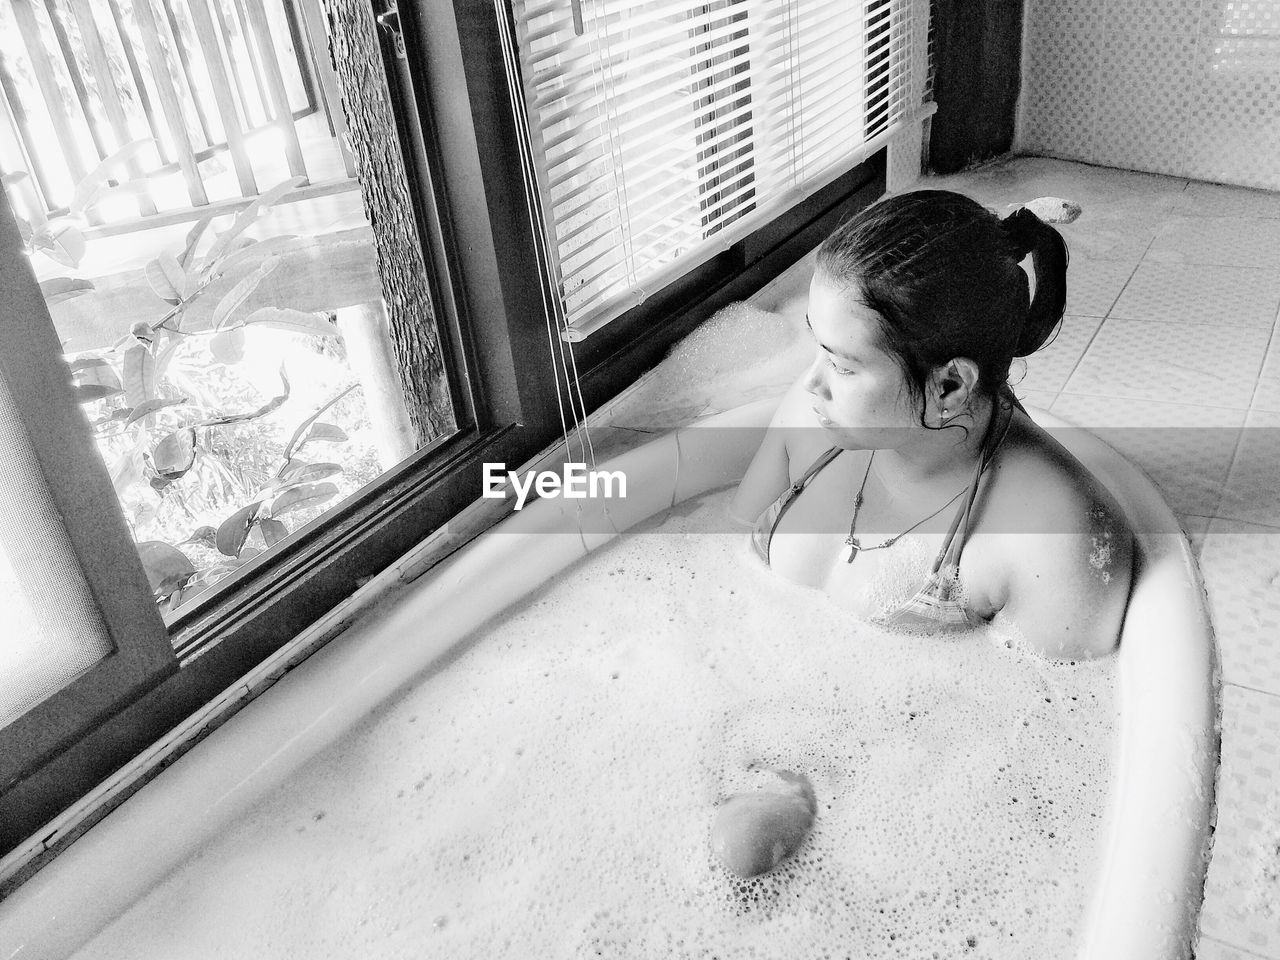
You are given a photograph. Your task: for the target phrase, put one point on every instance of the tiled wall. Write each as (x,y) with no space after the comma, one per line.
(1184,87)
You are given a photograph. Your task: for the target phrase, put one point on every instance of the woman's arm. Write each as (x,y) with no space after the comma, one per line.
(770,470)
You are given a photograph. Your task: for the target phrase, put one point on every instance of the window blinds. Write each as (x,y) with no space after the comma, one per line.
(662,131)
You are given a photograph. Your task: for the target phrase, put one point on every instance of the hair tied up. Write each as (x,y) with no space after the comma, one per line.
(1022,228)
(1029,235)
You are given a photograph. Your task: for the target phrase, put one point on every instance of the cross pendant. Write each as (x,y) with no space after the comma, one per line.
(854,546)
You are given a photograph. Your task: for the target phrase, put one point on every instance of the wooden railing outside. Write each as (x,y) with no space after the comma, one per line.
(198,82)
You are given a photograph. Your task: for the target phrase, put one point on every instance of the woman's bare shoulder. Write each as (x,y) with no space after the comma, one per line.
(1040,487)
(1063,549)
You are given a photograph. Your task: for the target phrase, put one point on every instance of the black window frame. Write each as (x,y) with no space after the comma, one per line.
(453,104)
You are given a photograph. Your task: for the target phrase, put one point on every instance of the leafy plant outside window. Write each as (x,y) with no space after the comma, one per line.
(208,471)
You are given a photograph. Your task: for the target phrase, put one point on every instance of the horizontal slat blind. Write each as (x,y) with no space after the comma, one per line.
(668,128)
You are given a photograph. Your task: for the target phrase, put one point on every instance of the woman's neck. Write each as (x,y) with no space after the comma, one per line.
(938,457)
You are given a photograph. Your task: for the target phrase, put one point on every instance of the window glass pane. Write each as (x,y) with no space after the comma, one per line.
(52,630)
(191,194)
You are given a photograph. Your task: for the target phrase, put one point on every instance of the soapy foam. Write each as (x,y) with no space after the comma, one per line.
(739,354)
(550,793)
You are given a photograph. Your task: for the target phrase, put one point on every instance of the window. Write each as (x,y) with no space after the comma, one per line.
(677,153)
(210,189)
(211,269)
(662,132)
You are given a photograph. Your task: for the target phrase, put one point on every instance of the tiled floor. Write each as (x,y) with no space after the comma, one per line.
(1170,349)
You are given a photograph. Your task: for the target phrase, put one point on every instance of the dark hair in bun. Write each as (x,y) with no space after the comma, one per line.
(942,273)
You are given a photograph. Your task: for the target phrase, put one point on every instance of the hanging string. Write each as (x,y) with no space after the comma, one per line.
(565,371)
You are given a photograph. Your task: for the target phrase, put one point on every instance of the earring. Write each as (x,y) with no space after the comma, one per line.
(945,415)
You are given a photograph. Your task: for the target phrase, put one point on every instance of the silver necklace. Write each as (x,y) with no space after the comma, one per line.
(852,542)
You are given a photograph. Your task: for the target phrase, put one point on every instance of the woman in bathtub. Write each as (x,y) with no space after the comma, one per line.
(904,428)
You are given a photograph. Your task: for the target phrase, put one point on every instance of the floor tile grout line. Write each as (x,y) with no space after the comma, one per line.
(1270,527)
(1216,324)
(1107,313)
(1163,403)
(1129,279)
(1231,946)
(1089,343)
(1240,433)
(1231,465)
(1185,323)
(1245,686)
(1266,355)
(1174,323)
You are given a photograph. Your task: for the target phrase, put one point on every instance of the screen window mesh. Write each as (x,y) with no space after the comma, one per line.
(52,630)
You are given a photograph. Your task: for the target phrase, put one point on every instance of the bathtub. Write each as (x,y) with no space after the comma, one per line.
(1145,899)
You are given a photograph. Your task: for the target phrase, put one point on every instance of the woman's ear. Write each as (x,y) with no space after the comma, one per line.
(953,385)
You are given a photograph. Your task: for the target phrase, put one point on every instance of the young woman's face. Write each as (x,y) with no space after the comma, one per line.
(860,393)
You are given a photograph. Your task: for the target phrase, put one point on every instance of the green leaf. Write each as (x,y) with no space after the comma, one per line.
(168,279)
(262,411)
(86,363)
(272,196)
(167,567)
(139,375)
(62,244)
(88,189)
(178,277)
(246,217)
(211,575)
(63,288)
(235,529)
(204,534)
(151,406)
(227,346)
(89,392)
(237,245)
(294,474)
(294,321)
(94,371)
(299,498)
(241,291)
(174,455)
(194,236)
(167,354)
(324,431)
(291,447)
(126,472)
(273,531)
(120,413)
(160,284)
(307,473)
(256,249)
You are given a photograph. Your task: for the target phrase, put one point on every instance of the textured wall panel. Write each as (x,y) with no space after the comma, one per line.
(1184,87)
